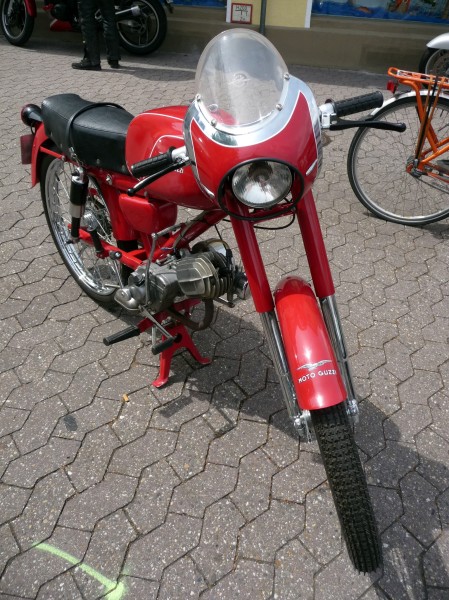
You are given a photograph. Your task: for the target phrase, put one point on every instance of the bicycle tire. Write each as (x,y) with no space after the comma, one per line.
(95,276)
(348,486)
(377,161)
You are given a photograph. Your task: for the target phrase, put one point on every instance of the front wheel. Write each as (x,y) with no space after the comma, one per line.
(144,32)
(96,276)
(348,485)
(434,61)
(16,23)
(380,167)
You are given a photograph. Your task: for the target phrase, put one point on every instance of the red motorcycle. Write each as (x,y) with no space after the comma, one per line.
(247,150)
(141,24)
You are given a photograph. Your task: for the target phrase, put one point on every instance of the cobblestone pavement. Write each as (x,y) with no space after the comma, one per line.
(201,489)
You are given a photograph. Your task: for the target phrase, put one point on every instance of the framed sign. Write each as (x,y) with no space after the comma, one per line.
(241,13)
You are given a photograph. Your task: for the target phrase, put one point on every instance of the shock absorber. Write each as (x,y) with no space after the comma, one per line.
(78,197)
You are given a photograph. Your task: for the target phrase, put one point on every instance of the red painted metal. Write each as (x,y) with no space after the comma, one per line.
(314,247)
(30,6)
(310,356)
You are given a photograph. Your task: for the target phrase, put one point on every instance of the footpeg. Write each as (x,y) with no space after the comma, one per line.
(126,334)
(165,344)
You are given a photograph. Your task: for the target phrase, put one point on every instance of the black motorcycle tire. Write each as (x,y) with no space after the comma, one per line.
(95,276)
(434,61)
(20,18)
(348,486)
(145,33)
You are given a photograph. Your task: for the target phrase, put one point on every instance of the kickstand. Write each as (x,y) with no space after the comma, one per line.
(183,340)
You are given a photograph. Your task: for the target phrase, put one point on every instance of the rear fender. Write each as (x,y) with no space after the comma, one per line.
(40,147)
(309,352)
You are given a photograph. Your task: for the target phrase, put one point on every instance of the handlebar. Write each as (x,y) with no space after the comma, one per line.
(173,159)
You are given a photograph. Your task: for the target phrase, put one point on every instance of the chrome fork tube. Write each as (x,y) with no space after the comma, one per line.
(335,330)
(275,344)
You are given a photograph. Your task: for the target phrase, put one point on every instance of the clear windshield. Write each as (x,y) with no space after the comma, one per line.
(240,79)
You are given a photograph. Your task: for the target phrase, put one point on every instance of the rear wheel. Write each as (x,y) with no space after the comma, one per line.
(145,32)
(380,173)
(16,23)
(434,61)
(348,485)
(96,276)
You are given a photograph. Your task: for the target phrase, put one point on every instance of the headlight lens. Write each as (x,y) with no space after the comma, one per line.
(262,183)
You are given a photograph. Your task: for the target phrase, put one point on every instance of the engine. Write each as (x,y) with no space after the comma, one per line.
(207,272)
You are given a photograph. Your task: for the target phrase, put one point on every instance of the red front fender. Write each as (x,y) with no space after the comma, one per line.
(310,355)
(30,6)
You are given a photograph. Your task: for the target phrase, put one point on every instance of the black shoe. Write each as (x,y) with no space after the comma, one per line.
(114,64)
(86,65)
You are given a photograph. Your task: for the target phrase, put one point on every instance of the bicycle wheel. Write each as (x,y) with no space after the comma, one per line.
(348,485)
(16,23)
(377,167)
(145,32)
(96,276)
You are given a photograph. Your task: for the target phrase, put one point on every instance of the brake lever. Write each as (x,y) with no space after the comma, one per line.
(400,127)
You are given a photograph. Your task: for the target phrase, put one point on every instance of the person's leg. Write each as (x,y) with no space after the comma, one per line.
(87,10)
(110,31)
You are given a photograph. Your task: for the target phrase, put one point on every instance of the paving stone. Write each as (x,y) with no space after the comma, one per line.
(39,426)
(77,424)
(93,458)
(8,546)
(236,443)
(295,569)
(8,452)
(341,581)
(26,573)
(263,405)
(216,552)
(140,588)
(391,464)
(137,378)
(83,387)
(249,580)
(11,419)
(322,533)
(435,570)
(387,506)
(85,509)
(402,559)
(61,588)
(282,446)
(106,553)
(189,457)
(37,362)
(224,409)
(293,483)
(433,451)
(149,507)
(194,495)
(42,511)
(205,379)
(260,539)
(181,580)
(143,452)
(407,423)
(30,394)
(420,387)
(71,361)
(180,410)
(152,553)
(421,515)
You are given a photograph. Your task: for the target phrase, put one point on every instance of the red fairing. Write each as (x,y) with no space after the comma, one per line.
(31,8)
(152,133)
(295,144)
(310,356)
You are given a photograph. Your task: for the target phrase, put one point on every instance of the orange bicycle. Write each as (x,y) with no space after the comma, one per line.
(404,177)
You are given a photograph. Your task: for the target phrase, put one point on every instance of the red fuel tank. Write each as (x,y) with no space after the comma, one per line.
(154,132)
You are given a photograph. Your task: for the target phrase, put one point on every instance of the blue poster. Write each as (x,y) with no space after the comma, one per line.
(430,11)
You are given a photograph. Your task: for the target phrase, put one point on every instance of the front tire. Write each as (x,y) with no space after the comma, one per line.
(96,276)
(144,33)
(348,485)
(16,23)
(377,167)
(434,61)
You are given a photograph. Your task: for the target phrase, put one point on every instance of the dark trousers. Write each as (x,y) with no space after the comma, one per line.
(89,29)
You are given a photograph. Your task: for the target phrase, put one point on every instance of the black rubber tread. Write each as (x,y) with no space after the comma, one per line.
(374,196)
(143,49)
(28,26)
(348,485)
(105,299)
(425,58)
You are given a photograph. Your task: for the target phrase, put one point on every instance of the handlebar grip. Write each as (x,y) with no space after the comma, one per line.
(358,104)
(149,166)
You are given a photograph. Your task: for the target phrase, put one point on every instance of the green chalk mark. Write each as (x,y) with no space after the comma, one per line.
(115,591)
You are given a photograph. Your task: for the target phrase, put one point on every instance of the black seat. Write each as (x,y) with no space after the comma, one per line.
(96,132)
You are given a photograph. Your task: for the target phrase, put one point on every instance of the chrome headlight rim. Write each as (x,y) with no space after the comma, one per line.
(262,213)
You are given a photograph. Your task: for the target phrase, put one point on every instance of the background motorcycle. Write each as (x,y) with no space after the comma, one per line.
(142,24)
(435,59)
(246,151)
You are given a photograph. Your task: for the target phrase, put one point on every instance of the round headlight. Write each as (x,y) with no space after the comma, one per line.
(262,183)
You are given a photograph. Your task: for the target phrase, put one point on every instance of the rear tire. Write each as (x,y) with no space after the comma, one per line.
(434,61)
(95,276)
(16,24)
(144,33)
(348,485)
